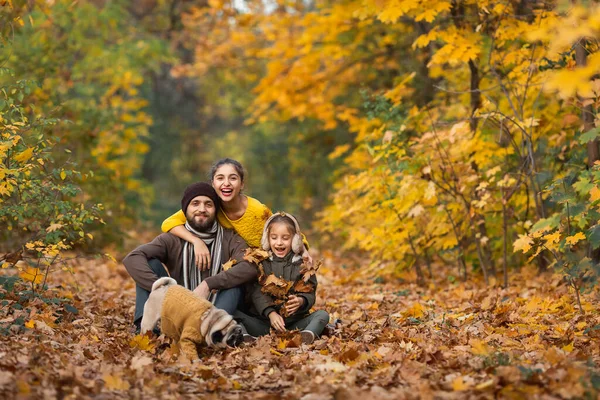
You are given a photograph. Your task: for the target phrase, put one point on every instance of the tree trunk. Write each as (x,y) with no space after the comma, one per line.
(587,113)
(475,94)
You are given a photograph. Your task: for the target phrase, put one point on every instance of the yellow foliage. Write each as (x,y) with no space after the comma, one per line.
(113,382)
(523,243)
(31,274)
(573,240)
(141,342)
(25,155)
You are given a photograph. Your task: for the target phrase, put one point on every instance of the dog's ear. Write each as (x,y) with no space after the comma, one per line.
(217,337)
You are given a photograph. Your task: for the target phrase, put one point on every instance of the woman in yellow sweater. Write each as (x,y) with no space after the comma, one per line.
(243,214)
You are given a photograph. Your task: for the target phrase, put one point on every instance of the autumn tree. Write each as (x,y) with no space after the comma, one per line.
(91,61)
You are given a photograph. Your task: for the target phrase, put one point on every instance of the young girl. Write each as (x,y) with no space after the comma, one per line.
(281,237)
(243,214)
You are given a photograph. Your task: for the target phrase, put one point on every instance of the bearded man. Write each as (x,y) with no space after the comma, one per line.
(200,204)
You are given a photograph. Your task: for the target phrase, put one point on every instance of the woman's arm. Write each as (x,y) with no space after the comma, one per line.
(174,220)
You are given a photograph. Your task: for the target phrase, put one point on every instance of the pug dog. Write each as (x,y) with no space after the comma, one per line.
(188,319)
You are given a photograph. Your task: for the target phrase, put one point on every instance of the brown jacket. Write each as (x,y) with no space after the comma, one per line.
(263,304)
(181,317)
(168,248)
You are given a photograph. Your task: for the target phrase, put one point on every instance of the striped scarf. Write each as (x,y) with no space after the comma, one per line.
(192,276)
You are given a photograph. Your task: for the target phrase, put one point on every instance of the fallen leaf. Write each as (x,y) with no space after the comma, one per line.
(276,287)
(141,342)
(303,287)
(459,384)
(309,270)
(140,362)
(113,382)
(229,264)
(255,255)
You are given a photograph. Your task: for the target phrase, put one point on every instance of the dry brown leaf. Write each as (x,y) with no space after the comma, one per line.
(303,287)
(255,255)
(348,355)
(261,274)
(229,264)
(309,270)
(12,258)
(276,287)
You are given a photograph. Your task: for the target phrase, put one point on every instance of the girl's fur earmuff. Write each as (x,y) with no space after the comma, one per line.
(297,244)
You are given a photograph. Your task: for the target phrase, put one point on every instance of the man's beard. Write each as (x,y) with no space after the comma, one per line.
(201,226)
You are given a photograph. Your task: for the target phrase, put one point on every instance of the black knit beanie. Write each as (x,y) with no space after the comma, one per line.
(199,189)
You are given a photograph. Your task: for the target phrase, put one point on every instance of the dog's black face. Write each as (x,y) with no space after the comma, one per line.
(230,336)
(236,337)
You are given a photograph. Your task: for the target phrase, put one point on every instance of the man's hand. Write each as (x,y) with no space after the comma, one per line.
(201,255)
(202,290)
(277,322)
(293,304)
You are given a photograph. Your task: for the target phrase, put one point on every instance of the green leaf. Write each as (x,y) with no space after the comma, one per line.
(550,222)
(593,235)
(589,135)
(583,185)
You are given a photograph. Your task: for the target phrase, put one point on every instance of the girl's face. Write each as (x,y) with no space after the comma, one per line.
(280,239)
(227,182)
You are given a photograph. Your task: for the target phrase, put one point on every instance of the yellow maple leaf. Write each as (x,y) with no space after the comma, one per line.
(480,348)
(282,344)
(24,155)
(229,264)
(141,342)
(459,384)
(552,240)
(416,311)
(32,275)
(30,324)
(523,243)
(594,194)
(115,382)
(572,240)
(54,227)
(569,347)
(23,387)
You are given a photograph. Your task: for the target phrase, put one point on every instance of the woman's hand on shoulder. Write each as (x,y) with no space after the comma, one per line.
(201,254)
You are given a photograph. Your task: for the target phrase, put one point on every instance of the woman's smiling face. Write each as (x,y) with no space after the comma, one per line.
(227,182)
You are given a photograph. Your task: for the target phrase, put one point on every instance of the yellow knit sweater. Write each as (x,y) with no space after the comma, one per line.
(181,317)
(249,226)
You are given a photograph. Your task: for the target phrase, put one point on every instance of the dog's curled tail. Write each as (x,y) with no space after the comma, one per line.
(166,281)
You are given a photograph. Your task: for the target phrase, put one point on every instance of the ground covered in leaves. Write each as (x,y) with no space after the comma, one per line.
(396,340)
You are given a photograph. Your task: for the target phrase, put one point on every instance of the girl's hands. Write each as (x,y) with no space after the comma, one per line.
(277,322)
(201,255)
(294,303)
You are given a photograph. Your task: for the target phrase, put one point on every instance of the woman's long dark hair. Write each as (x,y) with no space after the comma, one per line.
(224,161)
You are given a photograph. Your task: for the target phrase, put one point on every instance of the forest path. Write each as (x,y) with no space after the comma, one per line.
(452,340)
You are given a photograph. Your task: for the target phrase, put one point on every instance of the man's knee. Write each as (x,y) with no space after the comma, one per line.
(157,267)
(228,299)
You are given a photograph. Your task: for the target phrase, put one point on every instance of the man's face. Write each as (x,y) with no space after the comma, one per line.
(201,213)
